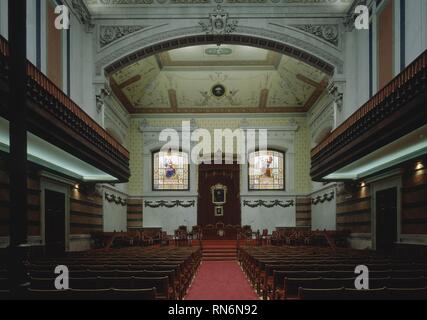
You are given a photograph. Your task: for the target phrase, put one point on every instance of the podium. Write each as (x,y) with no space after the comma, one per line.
(220,233)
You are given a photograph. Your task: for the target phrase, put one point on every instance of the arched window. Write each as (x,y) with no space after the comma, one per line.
(170,171)
(266,170)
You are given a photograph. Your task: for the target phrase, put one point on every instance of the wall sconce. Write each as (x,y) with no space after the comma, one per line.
(362,184)
(77,186)
(419,166)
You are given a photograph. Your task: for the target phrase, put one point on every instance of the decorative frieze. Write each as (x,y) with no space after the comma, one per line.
(112,198)
(268,204)
(327,197)
(327,32)
(110,34)
(219,23)
(82,13)
(170,204)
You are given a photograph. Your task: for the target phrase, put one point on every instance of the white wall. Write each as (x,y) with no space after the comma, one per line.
(3,18)
(323,215)
(114,215)
(416,29)
(169,219)
(81,52)
(269,218)
(356,70)
(31,31)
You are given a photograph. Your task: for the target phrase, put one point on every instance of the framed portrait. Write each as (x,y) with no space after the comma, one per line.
(219,194)
(219,211)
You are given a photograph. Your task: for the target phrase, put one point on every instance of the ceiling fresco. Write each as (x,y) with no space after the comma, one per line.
(229,78)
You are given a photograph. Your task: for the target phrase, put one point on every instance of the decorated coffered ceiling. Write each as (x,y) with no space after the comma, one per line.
(218,79)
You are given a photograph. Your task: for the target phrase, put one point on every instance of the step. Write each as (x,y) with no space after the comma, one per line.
(220,254)
(219,259)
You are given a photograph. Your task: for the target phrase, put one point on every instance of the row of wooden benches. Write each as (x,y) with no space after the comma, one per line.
(169,272)
(165,285)
(83,294)
(290,287)
(267,269)
(371,294)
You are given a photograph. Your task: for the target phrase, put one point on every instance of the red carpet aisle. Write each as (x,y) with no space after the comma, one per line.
(220,280)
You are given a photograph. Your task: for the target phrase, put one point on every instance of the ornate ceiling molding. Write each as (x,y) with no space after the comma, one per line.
(262,38)
(110,34)
(327,32)
(79,8)
(207,2)
(219,23)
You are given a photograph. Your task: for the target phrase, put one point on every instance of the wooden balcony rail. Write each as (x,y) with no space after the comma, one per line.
(51,89)
(416,67)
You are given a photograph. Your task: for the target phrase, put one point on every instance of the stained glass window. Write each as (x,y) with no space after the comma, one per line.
(170,170)
(266,170)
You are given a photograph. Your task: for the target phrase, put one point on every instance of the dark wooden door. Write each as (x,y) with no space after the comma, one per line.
(227,175)
(55,222)
(386,219)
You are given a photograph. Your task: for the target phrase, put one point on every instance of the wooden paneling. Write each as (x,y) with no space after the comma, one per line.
(354,210)
(227,175)
(134,213)
(85,213)
(303,212)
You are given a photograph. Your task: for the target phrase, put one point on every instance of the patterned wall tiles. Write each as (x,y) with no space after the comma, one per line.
(302,144)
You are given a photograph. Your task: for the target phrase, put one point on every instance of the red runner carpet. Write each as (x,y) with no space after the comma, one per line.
(220,280)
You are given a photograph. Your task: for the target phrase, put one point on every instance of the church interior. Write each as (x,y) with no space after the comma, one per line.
(213,150)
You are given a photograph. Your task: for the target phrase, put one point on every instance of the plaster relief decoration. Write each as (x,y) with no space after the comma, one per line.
(218,23)
(215,79)
(109,34)
(169,204)
(322,199)
(336,90)
(268,204)
(327,32)
(116,199)
(81,11)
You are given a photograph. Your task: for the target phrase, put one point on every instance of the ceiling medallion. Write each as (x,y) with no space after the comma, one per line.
(219,23)
(218,90)
(218,51)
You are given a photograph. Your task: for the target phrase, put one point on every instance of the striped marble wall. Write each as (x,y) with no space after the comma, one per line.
(414,200)
(85,212)
(303,212)
(134,213)
(354,209)
(33,202)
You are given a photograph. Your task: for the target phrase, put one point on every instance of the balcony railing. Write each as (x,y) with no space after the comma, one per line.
(403,79)
(48,96)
